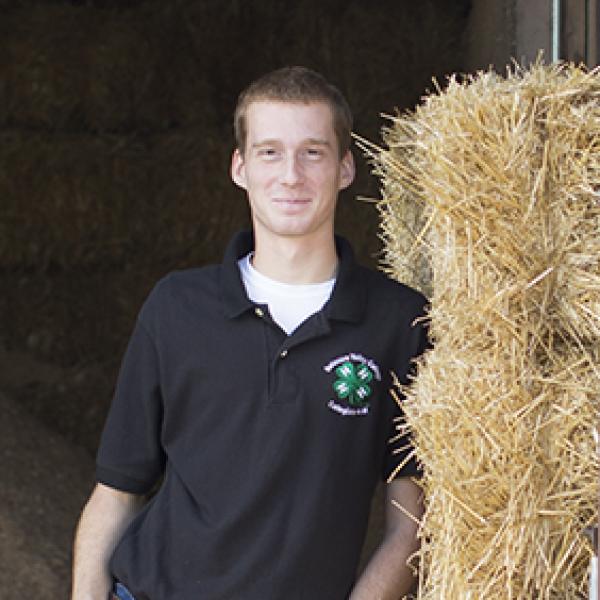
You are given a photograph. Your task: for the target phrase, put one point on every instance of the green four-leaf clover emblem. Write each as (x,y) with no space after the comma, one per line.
(352,383)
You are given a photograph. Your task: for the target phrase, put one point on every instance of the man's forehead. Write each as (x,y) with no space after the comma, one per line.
(270,118)
(271,107)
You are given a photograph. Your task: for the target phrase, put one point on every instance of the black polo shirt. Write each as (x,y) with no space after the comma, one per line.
(270,445)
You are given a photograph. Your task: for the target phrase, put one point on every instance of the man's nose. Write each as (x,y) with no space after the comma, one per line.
(291,171)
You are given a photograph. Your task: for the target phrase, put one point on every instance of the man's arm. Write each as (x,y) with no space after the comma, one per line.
(387,576)
(104,518)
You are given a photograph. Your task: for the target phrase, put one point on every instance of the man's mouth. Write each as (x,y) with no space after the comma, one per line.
(292,200)
(291,205)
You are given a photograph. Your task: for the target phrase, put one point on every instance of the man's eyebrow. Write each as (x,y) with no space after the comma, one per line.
(309,141)
(318,142)
(265,143)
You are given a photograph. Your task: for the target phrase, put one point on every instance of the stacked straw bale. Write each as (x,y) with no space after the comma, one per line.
(115,117)
(492,190)
(82,200)
(79,68)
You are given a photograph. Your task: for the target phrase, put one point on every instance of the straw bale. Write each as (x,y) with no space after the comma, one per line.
(492,185)
(77,200)
(79,68)
(42,73)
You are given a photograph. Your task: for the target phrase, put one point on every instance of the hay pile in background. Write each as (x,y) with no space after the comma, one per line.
(81,68)
(113,199)
(494,185)
(113,115)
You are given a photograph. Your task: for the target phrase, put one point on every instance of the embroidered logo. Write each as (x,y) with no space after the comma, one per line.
(353,383)
(353,375)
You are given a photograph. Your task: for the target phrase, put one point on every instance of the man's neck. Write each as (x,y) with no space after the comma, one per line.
(296,259)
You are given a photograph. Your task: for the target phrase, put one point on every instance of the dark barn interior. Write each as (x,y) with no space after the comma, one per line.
(115,138)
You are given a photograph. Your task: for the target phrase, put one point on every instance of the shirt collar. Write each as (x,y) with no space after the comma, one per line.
(347,301)
(234,299)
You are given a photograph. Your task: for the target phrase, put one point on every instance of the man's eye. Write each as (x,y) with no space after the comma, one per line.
(314,152)
(267,152)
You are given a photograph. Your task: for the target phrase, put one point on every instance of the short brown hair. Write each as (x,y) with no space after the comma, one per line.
(295,84)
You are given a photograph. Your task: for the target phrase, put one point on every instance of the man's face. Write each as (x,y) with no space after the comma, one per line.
(291,168)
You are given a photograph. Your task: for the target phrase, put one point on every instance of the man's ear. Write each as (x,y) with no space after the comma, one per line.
(347,170)
(238,169)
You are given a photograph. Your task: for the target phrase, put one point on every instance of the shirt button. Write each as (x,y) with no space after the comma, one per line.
(283,353)
(259,312)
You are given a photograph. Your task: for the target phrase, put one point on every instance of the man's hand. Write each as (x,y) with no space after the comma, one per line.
(387,576)
(104,518)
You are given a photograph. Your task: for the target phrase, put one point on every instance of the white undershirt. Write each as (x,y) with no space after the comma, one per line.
(288,304)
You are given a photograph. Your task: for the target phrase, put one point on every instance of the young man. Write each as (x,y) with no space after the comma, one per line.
(258,390)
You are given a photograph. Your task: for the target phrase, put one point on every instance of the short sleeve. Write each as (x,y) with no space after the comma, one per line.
(400,459)
(130,456)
